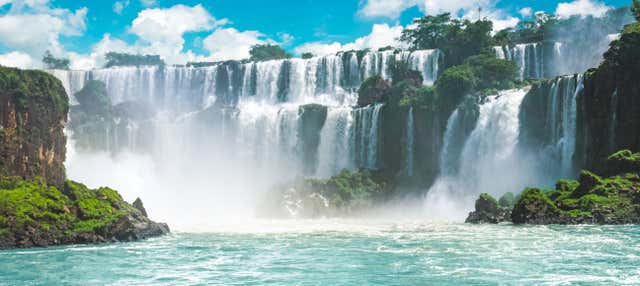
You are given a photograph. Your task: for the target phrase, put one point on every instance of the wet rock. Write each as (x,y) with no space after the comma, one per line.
(487,210)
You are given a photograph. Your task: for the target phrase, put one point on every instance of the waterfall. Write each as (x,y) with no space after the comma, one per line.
(251,108)
(427,62)
(365,138)
(530,58)
(409,143)
(336,146)
(446,168)
(489,161)
(561,120)
(612,121)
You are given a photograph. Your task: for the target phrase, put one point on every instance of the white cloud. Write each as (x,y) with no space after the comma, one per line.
(119,6)
(231,44)
(525,12)
(381,35)
(319,49)
(386,8)
(581,8)
(35,5)
(455,7)
(169,25)
(286,39)
(32,27)
(16,59)
(393,8)
(148,3)
(161,31)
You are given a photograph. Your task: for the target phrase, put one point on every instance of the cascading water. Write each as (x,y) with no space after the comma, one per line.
(612,121)
(562,123)
(232,129)
(489,160)
(529,58)
(409,143)
(365,135)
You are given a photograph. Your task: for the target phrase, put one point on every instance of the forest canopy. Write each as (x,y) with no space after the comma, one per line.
(123,59)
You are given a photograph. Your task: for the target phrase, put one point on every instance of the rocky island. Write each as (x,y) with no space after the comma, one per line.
(38,205)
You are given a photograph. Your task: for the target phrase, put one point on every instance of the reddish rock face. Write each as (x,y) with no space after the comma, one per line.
(33,112)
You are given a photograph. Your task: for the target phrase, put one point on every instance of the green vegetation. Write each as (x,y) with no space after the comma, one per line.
(372,90)
(635,9)
(307,55)
(95,208)
(267,52)
(387,48)
(507,200)
(623,53)
(458,39)
(51,62)
(23,85)
(591,199)
(123,59)
(92,117)
(471,64)
(94,99)
(342,194)
(32,206)
(526,31)
(488,210)
(350,190)
(491,72)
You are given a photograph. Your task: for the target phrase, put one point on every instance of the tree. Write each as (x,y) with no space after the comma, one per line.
(93,98)
(429,33)
(51,62)
(491,72)
(307,55)
(267,52)
(635,9)
(457,38)
(454,83)
(123,59)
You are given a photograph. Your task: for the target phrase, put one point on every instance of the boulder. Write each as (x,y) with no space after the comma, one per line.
(487,210)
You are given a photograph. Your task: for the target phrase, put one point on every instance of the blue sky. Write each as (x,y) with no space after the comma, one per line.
(191,30)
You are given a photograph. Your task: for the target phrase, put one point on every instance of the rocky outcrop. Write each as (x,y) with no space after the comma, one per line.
(374,89)
(312,119)
(33,213)
(341,195)
(609,109)
(592,199)
(488,210)
(38,206)
(33,111)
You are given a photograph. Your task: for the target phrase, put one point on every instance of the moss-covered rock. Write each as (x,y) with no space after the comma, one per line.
(374,89)
(33,213)
(341,195)
(33,111)
(507,200)
(534,207)
(487,210)
(623,161)
(609,110)
(591,199)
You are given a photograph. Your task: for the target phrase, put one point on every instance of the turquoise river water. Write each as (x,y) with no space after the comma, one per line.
(335,252)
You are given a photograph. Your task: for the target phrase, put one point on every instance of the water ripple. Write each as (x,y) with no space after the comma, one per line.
(346,253)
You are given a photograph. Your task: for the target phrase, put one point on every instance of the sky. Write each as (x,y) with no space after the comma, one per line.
(197,30)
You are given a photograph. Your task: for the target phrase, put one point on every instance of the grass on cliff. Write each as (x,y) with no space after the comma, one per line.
(615,196)
(77,209)
(25,84)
